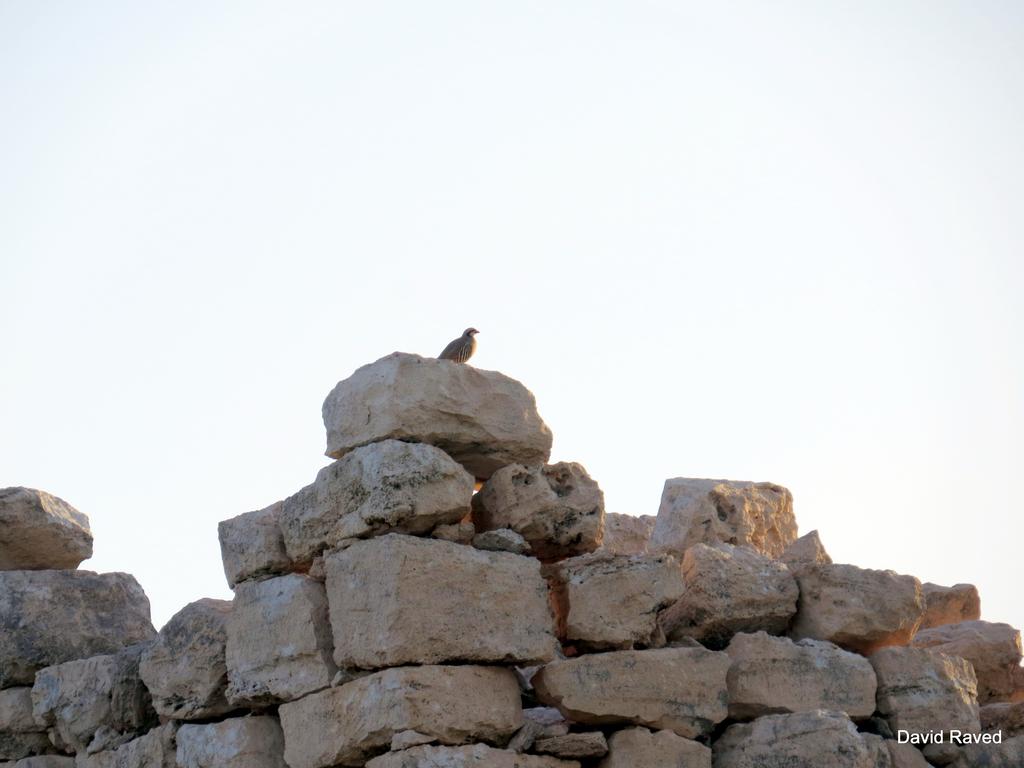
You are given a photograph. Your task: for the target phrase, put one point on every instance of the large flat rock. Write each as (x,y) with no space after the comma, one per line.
(238,742)
(41,532)
(405,600)
(252,546)
(994,650)
(483,419)
(626,534)
(682,689)
(351,723)
(278,641)
(155,749)
(799,740)
(702,511)
(49,617)
(641,748)
(385,487)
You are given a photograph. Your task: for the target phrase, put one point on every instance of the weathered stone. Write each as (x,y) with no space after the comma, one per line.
(241,742)
(993,649)
(20,735)
(922,691)
(473,756)
(17,746)
(348,724)
(380,488)
(45,761)
(252,546)
(102,695)
(728,590)
(774,675)
(640,748)
(460,533)
(557,508)
(538,722)
(502,540)
(949,605)
(278,641)
(683,689)
(799,740)
(807,550)
(185,669)
(41,532)
(613,600)
(407,739)
(573,745)
(483,419)
(697,511)
(904,756)
(626,534)
(49,617)
(1008,754)
(1004,717)
(154,749)
(856,608)
(406,600)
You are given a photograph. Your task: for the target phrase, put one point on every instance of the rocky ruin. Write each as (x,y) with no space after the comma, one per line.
(440,596)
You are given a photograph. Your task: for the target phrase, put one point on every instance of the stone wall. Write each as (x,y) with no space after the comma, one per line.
(439,596)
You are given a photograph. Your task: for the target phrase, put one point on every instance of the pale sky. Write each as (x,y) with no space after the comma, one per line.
(758,241)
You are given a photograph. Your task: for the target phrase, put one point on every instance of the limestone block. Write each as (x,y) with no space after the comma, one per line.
(993,649)
(460,533)
(626,534)
(239,742)
(798,740)
(41,532)
(472,756)
(278,641)
(49,617)
(355,721)
(573,745)
(406,600)
(1005,717)
(682,689)
(20,735)
(613,600)
(857,608)
(502,540)
(807,550)
(949,605)
(92,701)
(384,487)
(185,669)
(728,590)
(1008,754)
(698,511)
(774,675)
(640,748)
(557,508)
(252,546)
(154,749)
(538,723)
(483,419)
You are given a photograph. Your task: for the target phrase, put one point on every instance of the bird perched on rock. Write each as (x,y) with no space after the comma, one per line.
(462,348)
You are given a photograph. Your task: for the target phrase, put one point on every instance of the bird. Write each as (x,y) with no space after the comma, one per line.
(462,348)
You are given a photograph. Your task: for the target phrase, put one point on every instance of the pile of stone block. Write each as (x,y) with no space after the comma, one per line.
(439,596)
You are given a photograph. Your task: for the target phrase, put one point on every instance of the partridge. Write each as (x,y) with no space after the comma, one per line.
(462,348)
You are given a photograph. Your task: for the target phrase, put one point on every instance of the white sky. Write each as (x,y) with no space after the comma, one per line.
(765,241)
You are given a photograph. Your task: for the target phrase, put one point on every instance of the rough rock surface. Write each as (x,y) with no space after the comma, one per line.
(471,756)
(573,745)
(774,675)
(384,487)
(682,689)
(613,600)
(798,740)
(460,533)
(95,702)
(49,617)
(483,419)
(405,600)
(348,724)
(240,742)
(279,643)
(993,649)
(185,668)
(640,748)
(921,691)
(251,545)
(154,749)
(857,608)
(949,605)
(807,550)
(502,540)
(41,532)
(728,590)
(1007,717)
(20,735)
(1008,754)
(698,511)
(626,534)
(538,723)
(557,508)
